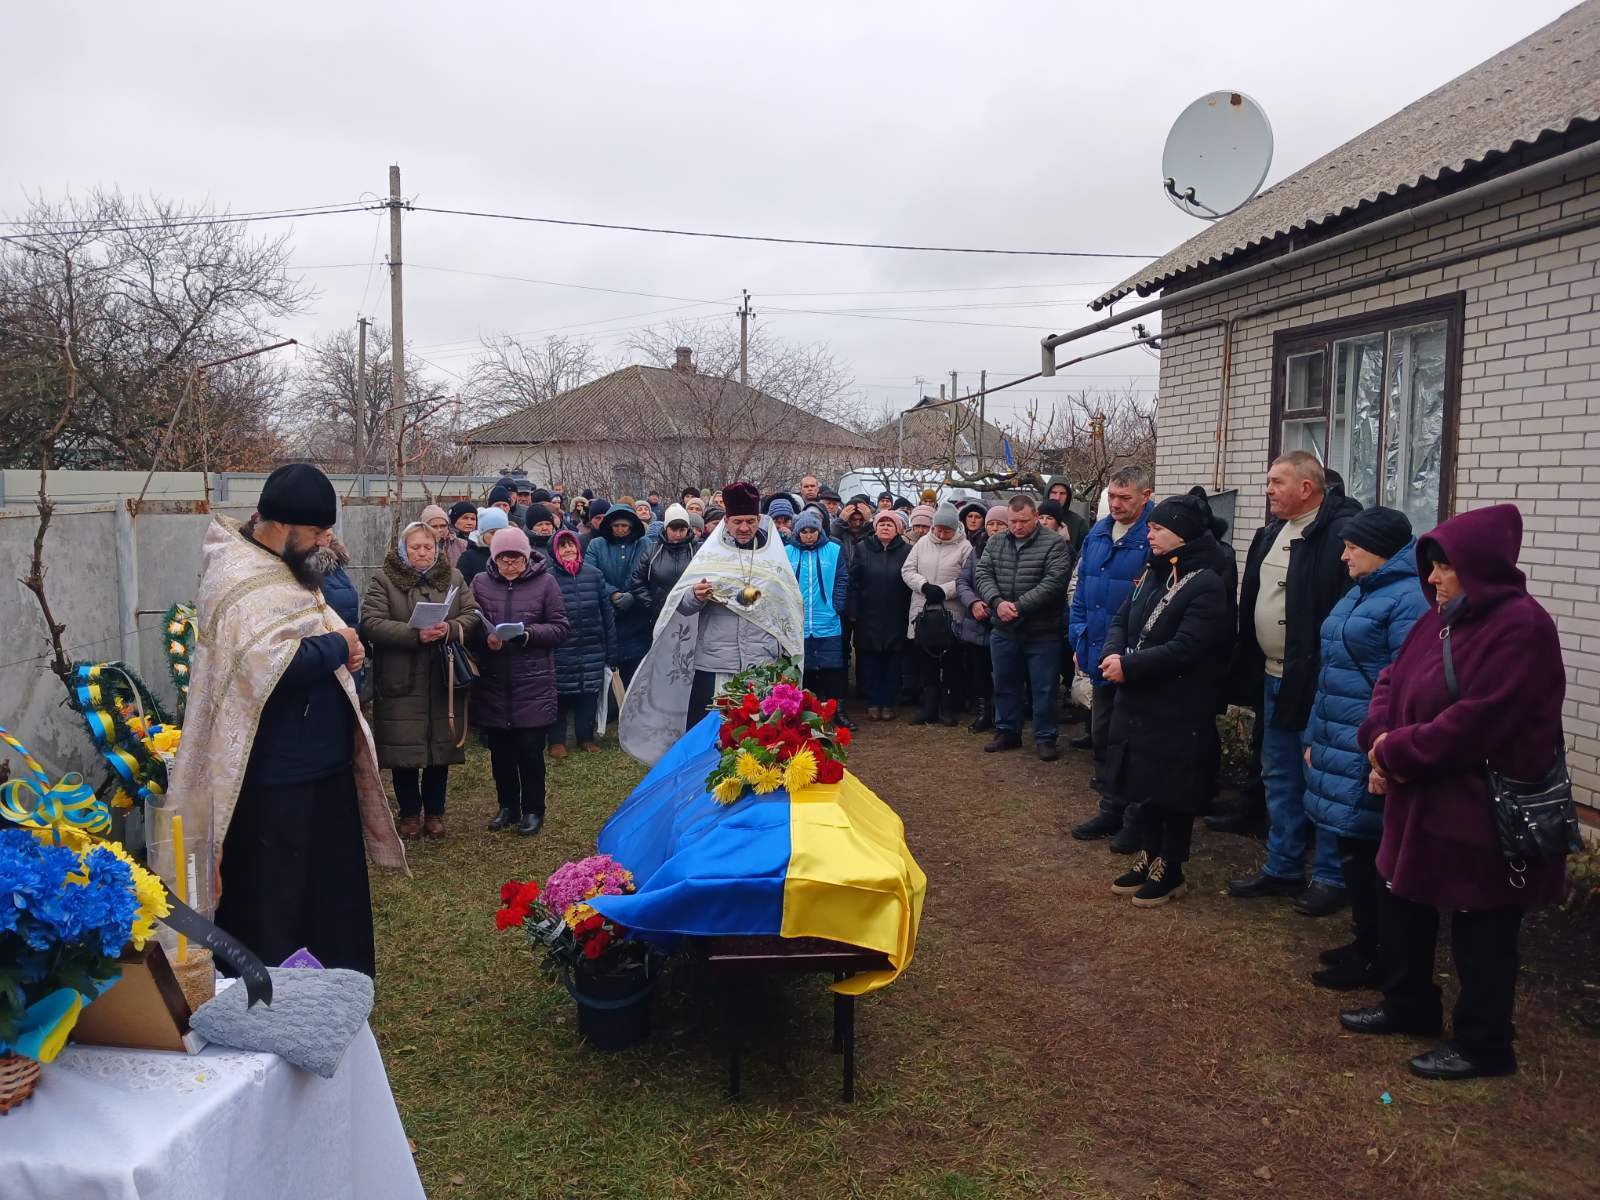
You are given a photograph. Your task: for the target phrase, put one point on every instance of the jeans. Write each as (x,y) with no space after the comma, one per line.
(1484,946)
(418,790)
(1289,830)
(879,672)
(583,707)
(516,759)
(1032,665)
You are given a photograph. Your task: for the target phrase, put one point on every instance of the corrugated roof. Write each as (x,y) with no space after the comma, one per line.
(923,422)
(1542,85)
(656,402)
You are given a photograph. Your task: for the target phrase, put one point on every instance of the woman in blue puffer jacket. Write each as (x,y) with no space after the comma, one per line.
(1360,637)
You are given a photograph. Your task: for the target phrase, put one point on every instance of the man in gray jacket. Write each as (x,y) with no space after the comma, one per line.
(1022,577)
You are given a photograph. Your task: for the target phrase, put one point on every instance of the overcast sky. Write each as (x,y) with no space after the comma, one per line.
(1028,126)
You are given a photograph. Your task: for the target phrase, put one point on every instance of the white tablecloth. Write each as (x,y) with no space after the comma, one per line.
(220,1125)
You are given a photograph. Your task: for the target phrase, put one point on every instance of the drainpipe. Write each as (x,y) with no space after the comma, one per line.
(1403,221)
(1222,405)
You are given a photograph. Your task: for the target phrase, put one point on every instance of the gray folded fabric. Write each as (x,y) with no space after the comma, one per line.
(313,1017)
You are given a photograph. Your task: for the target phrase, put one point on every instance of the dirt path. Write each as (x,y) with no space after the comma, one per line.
(1180,1051)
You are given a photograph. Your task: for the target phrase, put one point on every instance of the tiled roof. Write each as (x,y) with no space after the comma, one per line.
(1546,84)
(660,402)
(922,423)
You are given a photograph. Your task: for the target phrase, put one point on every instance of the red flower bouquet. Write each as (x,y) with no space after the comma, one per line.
(774,735)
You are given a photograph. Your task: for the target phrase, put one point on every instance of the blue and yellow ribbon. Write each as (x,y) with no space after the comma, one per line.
(39,804)
(100,691)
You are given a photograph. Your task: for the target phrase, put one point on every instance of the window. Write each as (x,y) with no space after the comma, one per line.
(1374,398)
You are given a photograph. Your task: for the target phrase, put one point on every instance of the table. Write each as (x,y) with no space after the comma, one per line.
(761,955)
(109,1124)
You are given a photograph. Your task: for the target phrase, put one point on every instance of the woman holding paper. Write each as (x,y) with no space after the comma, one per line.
(414,606)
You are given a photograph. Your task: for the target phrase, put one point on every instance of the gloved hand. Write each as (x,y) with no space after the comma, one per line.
(623,601)
(933,592)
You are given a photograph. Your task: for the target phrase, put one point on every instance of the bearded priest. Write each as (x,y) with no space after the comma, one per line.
(277,767)
(737,605)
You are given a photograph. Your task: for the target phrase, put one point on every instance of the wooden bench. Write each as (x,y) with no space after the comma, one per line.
(732,957)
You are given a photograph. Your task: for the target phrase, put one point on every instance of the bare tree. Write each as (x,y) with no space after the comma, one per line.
(157,288)
(510,373)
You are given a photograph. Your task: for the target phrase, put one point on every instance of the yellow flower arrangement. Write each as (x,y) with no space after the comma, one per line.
(147,887)
(748,767)
(728,789)
(771,780)
(801,771)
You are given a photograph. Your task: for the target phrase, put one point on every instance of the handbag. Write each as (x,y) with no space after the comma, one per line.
(462,671)
(935,631)
(1533,818)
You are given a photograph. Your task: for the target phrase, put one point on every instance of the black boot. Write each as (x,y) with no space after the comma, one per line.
(929,711)
(530,824)
(949,706)
(1349,975)
(504,819)
(984,721)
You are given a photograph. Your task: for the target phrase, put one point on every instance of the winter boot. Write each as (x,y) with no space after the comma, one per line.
(1165,882)
(1349,975)
(984,721)
(949,707)
(929,712)
(1134,878)
(504,819)
(1002,741)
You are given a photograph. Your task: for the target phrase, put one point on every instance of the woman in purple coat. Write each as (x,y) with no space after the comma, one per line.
(514,700)
(1428,749)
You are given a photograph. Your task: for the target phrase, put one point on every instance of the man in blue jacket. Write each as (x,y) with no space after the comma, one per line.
(1113,555)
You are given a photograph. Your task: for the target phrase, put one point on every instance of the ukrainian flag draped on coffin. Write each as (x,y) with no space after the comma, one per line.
(829,862)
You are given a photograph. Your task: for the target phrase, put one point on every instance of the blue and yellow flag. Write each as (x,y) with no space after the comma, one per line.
(830,861)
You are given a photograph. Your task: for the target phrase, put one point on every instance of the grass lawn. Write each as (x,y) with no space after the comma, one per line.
(1048,1040)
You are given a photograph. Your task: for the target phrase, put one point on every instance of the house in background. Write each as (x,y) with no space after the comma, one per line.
(1418,308)
(666,428)
(925,437)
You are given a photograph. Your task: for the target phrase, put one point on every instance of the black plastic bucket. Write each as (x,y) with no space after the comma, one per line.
(614,1007)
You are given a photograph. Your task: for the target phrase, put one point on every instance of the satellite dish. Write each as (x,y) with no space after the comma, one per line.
(1217,154)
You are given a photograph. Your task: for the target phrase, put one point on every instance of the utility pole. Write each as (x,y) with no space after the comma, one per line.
(361,400)
(397,333)
(983,396)
(744,338)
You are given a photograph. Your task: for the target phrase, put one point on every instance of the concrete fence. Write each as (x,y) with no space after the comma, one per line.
(110,577)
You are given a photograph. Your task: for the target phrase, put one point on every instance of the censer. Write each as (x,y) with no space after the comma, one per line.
(749,594)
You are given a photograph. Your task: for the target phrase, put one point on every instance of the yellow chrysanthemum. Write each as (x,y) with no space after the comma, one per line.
(771,780)
(576,913)
(151,895)
(802,771)
(729,788)
(121,799)
(748,767)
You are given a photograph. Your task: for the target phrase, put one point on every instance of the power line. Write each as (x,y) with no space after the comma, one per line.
(785,241)
(180,222)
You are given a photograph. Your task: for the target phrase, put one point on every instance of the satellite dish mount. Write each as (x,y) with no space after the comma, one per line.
(1217,155)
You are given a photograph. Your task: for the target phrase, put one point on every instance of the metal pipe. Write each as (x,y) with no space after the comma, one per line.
(1418,214)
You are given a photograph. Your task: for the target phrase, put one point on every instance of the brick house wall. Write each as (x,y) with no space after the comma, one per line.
(1528,408)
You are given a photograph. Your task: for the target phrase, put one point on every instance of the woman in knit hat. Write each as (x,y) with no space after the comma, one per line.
(822,569)
(463,523)
(931,571)
(920,521)
(475,557)
(880,606)
(1360,637)
(514,700)
(977,668)
(1167,652)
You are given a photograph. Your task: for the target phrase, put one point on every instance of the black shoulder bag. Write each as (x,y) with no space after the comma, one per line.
(1534,818)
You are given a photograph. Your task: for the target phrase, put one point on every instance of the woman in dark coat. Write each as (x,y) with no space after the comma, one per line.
(1168,651)
(615,549)
(514,700)
(1428,749)
(880,607)
(664,559)
(590,648)
(418,725)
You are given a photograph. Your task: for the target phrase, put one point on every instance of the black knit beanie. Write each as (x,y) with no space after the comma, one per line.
(1188,516)
(1382,531)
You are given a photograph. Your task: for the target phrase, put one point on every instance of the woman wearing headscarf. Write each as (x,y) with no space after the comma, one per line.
(419,726)
(822,569)
(977,668)
(880,605)
(931,571)
(1476,688)
(590,648)
(515,696)
(1360,637)
(1167,651)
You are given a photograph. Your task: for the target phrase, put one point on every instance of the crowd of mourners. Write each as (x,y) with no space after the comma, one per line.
(1368,761)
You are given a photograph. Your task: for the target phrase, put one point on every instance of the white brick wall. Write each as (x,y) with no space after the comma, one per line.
(1529,410)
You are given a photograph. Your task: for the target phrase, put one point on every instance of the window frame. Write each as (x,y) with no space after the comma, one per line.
(1287,343)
